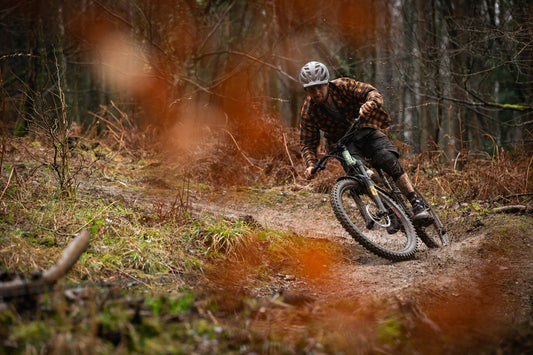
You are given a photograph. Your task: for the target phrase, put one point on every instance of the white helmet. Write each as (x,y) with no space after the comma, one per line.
(314,73)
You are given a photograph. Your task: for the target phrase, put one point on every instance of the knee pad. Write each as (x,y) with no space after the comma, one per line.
(388,162)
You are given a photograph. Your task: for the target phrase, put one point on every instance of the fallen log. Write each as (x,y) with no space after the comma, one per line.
(40,283)
(512,209)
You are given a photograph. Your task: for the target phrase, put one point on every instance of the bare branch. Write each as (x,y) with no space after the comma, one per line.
(213,30)
(251,57)
(18,55)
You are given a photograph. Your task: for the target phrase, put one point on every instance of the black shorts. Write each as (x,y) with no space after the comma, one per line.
(374,146)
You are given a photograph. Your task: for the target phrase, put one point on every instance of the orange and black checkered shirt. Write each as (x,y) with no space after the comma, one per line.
(348,95)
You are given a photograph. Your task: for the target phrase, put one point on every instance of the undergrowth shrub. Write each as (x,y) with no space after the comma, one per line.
(477,177)
(120,132)
(260,150)
(220,236)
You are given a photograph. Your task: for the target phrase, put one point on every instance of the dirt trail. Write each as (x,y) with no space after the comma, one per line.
(462,270)
(313,217)
(476,269)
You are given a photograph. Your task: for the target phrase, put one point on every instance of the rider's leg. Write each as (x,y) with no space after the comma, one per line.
(406,187)
(385,156)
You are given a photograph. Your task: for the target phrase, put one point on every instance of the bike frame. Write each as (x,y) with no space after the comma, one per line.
(353,167)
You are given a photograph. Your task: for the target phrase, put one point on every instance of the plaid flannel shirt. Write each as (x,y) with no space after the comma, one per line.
(348,95)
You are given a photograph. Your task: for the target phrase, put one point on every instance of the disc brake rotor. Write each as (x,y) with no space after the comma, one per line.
(373,211)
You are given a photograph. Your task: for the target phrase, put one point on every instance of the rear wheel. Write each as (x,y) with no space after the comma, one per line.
(434,234)
(391,236)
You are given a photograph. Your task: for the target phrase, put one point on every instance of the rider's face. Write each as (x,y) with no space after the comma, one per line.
(318,93)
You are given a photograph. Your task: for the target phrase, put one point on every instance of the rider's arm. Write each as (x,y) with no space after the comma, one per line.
(371,104)
(374,100)
(371,99)
(309,140)
(309,137)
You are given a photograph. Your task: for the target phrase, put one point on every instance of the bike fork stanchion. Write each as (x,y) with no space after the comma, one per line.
(372,188)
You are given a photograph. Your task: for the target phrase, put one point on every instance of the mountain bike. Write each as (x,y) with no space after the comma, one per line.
(372,209)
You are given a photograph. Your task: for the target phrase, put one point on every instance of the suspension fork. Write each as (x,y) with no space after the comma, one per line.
(369,183)
(371,186)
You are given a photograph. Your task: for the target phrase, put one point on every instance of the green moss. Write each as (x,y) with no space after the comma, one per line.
(37,333)
(391,332)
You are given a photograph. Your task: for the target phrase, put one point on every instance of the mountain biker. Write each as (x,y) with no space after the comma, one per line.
(331,107)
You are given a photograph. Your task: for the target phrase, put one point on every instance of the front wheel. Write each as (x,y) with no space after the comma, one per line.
(391,236)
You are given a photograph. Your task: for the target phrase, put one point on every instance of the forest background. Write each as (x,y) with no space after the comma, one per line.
(456,75)
(169,131)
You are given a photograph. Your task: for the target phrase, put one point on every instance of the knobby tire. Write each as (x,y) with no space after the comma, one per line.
(435,234)
(351,207)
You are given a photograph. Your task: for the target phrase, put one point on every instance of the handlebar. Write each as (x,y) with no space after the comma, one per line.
(349,132)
